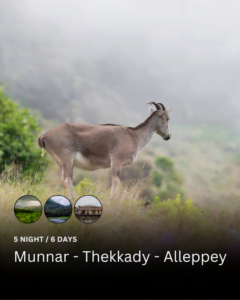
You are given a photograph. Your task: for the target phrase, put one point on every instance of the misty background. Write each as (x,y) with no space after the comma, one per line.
(102,61)
(99,62)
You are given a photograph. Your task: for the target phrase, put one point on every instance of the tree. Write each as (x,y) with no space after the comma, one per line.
(171,182)
(157,178)
(18,135)
(164,163)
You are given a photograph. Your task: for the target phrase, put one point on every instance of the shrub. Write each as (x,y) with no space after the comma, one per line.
(157,178)
(171,180)
(18,135)
(164,163)
(171,190)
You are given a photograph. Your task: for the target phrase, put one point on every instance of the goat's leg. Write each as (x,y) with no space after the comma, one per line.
(67,179)
(65,162)
(115,174)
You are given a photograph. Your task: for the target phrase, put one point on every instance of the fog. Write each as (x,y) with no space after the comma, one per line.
(102,61)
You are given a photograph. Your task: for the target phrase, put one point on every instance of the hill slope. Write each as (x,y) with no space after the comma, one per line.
(54,209)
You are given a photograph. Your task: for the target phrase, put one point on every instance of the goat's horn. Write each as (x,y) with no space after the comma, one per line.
(156,104)
(164,108)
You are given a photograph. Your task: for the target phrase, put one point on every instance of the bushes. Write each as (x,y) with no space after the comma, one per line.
(167,179)
(123,222)
(164,163)
(186,220)
(18,135)
(157,178)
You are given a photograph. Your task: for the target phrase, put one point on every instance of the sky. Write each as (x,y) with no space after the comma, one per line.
(88,200)
(61,200)
(27,201)
(102,61)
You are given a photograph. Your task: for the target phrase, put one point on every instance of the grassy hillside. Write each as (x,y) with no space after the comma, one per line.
(29,209)
(51,205)
(54,209)
(27,216)
(177,221)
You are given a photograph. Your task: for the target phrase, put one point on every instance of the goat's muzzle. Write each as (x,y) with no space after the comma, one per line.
(167,137)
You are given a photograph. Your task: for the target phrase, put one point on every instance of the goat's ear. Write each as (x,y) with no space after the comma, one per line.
(152,108)
(168,110)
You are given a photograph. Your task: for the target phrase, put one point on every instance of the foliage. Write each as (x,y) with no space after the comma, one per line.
(55,209)
(176,177)
(171,190)
(84,185)
(28,217)
(183,215)
(18,135)
(167,179)
(138,170)
(164,163)
(157,178)
(173,223)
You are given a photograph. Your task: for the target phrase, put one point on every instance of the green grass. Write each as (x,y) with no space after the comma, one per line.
(123,224)
(28,217)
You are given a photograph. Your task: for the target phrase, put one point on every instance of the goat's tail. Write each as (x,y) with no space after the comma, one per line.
(41,144)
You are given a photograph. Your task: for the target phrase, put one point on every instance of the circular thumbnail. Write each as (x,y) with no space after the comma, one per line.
(28,209)
(58,209)
(88,209)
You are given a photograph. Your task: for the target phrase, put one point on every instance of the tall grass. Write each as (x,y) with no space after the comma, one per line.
(124,224)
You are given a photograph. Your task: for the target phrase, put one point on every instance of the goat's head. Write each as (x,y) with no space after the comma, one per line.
(162,118)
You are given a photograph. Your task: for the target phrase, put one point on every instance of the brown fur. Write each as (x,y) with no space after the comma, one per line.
(92,147)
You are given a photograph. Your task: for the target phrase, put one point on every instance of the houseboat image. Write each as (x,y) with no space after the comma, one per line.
(88,213)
